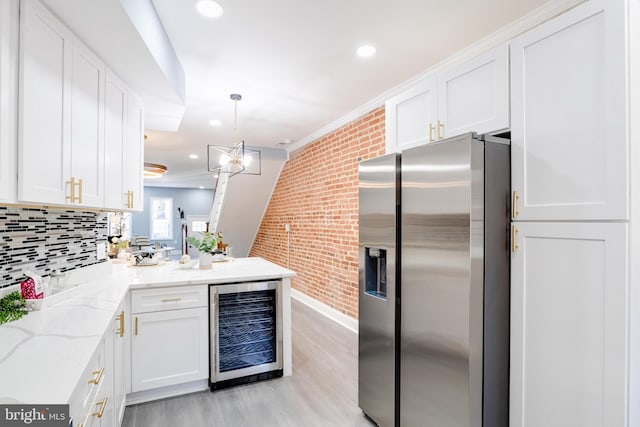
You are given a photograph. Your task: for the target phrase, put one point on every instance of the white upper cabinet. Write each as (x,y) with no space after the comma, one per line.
(79,141)
(410,117)
(8,98)
(568,111)
(568,325)
(469,97)
(115,134)
(133,156)
(474,96)
(87,126)
(44,106)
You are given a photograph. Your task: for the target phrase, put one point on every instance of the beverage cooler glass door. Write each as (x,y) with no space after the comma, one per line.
(246,330)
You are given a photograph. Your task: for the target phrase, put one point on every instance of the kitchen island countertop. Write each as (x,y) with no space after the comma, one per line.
(43,355)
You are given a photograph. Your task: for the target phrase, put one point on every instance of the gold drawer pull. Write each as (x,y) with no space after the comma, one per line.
(171,299)
(98,376)
(100,412)
(440,126)
(430,132)
(514,205)
(514,236)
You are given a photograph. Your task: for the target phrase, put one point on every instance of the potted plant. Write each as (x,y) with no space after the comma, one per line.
(205,246)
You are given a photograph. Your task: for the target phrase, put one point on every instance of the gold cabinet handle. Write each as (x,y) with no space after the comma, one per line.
(100,412)
(120,317)
(514,237)
(80,190)
(72,190)
(514,205)
(129,203)
(440,126)
(171,299)
(98,376)
(136,327)
(430,132)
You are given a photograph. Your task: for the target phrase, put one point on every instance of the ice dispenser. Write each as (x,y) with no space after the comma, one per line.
(376,272)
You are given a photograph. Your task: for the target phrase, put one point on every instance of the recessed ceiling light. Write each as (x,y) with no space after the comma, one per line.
(366,51)
(286,141)
(193,156)
(215,123)
(209,8)
(201,187)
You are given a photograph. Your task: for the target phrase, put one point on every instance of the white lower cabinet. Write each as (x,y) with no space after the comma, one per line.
(99,397)
(170,345)
(121,335)
(568,325)
(89,403)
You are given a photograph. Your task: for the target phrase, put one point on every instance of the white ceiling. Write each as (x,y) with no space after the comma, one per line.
(294,63)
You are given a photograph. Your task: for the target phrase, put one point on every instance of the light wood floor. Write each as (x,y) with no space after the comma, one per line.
(323,390)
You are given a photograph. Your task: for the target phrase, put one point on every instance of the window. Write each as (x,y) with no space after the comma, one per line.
(197,223)
(161,224)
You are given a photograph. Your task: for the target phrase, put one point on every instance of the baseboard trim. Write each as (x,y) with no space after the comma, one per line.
(333,314)
(164,392)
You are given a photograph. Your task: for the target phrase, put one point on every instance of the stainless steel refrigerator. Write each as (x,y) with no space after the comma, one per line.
(434,285)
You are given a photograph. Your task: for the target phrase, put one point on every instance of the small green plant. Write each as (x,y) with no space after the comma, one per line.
(12,307)
(207,244)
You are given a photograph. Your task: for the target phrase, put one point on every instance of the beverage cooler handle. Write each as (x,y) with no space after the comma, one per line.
(215,369)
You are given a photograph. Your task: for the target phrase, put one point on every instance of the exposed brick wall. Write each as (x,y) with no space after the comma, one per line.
(317,194)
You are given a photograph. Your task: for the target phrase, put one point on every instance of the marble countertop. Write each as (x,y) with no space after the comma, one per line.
(43,355)
(238,270)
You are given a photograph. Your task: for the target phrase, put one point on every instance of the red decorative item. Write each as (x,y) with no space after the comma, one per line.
(28,289)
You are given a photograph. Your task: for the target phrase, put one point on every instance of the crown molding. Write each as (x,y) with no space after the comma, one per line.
(545,12)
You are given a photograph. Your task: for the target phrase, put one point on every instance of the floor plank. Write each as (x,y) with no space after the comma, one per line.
(323,391)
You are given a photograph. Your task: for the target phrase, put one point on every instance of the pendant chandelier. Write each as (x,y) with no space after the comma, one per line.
(232,160)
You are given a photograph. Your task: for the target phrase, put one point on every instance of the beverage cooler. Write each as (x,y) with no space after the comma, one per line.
(246,333)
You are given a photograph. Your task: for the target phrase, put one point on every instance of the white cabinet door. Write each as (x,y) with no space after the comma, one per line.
(568,116)
(87,125)
(410,117)
(169,347)
(474,96)
(115,133)
(134,154)
(121,335)
(44,106)
(568,328)
(8,98)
